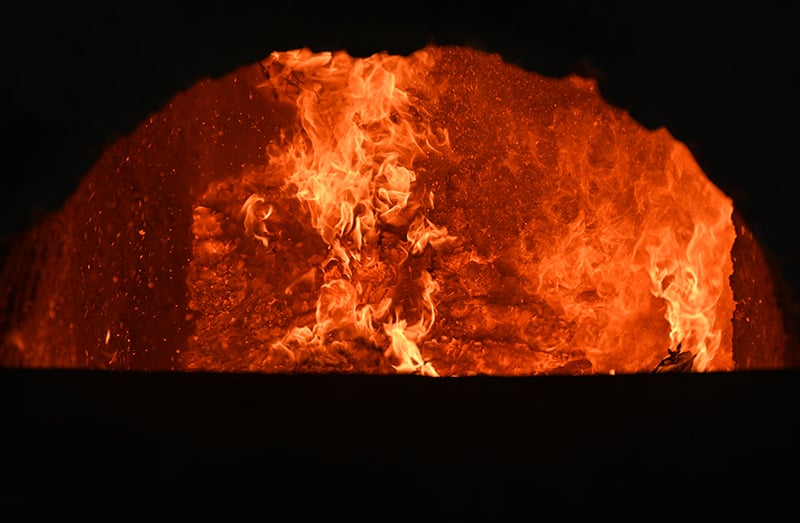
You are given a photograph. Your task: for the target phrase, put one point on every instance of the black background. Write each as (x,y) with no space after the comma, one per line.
(721,77)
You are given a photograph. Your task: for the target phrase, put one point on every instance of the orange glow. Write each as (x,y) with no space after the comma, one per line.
(453,221)
(443,214)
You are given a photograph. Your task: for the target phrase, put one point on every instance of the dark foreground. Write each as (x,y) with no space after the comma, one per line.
(197,445)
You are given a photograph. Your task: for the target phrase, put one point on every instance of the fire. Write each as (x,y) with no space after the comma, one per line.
(449,214)
(351,165)
(442,214)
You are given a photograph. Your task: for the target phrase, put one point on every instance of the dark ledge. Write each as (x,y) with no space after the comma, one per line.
(199,443)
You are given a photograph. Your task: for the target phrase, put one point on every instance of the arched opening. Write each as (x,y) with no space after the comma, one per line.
(442,213)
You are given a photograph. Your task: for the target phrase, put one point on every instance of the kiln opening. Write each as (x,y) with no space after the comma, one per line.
(443,213)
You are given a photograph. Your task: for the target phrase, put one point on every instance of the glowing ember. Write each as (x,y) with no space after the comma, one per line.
(446,213)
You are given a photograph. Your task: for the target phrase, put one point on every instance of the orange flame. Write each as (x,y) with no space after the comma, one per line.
(352,165)
(444,213)
(689,267)
(566,238)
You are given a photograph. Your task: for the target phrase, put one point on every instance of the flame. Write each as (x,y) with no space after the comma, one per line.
(689,267)
(351,165)
(565,237)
